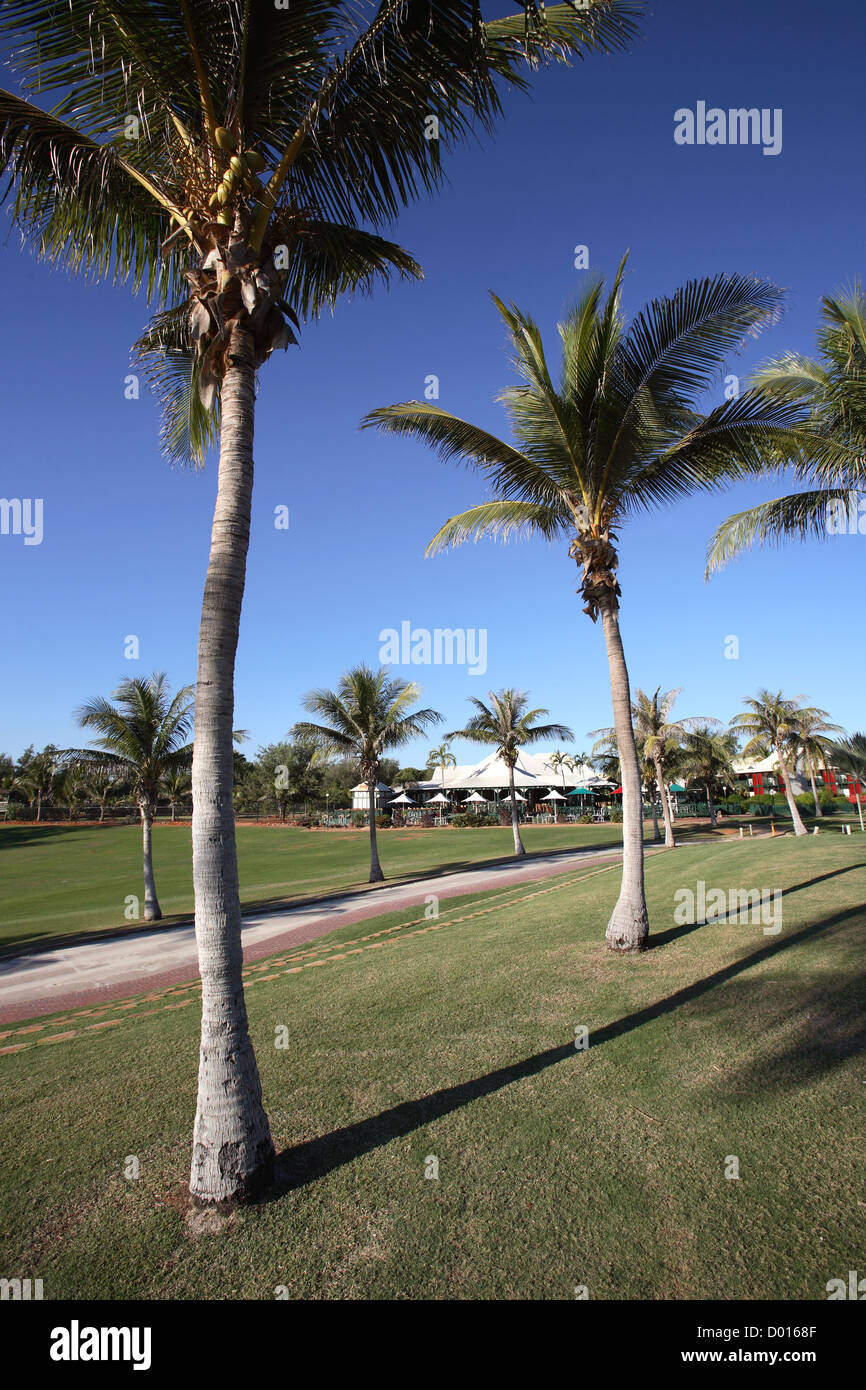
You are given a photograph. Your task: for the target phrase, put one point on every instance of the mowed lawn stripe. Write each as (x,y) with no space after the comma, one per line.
(557,1167)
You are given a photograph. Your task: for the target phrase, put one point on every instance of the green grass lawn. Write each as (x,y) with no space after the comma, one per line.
(557,1167)
(62,880)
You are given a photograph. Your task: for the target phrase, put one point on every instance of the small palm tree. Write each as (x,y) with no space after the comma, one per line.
(443,758)
(830,393)
(561,762)
(18,785)
(507,725)
(143,738)
(706,757)
(849,755)
(658,735)
(771,721)
(102,783)
(369,713)
(177,788)
(40,770)
(811,739)
(618,435)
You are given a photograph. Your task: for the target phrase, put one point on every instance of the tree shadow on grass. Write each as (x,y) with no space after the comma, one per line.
(305,1163)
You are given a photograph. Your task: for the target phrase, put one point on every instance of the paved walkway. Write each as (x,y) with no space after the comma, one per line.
(114,967)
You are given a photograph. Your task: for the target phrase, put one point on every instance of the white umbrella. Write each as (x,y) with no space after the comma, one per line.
(476,796)
(553,795)
(402,800)
(438,800)
(517,797)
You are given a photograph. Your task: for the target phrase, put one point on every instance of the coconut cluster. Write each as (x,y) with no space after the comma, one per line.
(240,176)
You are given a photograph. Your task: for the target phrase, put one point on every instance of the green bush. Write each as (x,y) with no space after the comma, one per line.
(616,815)
(383,821)
(585,819)
(359,818)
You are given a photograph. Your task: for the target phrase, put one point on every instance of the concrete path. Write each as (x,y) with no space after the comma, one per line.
(115,967)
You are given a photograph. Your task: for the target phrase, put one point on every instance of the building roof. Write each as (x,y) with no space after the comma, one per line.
(744,766)
(532,770)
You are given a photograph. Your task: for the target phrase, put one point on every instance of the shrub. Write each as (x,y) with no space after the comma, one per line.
(616,815)
(585,819)
(359,818)
(462,820)
(383,821)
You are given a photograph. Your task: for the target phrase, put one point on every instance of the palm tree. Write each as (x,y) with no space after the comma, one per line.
(148,170)
(560,762)
(849,755)
(39,770)
(367,714)
(507,725)
(443,758)
(17,784)
(658,735)
(830,393)
(102,782)
(143,739)
(811,741)
(177,786)
(771,721)
(706,757)
(618,435)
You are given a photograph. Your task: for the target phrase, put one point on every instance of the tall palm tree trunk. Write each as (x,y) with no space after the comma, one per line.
(818,811)
(376,875)
(670,842)
(708,786)
(628,927)
(233,1152)
(39,804)
(152,909)
(515,820)
(799,827)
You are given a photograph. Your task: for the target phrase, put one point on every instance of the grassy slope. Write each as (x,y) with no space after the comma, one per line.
(59,880)
(602,1168)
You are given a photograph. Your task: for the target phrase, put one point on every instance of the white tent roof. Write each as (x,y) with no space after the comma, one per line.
(380,787)
(532,770)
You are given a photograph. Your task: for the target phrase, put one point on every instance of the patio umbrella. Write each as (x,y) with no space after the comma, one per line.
(438,800)
(402,800)
(475,797)
(553,795)
(517,797)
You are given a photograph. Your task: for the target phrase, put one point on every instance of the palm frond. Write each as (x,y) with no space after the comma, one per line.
(166,352)
(801,515)
(499,521)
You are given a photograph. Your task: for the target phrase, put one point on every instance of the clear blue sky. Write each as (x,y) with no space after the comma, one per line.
(589,158)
